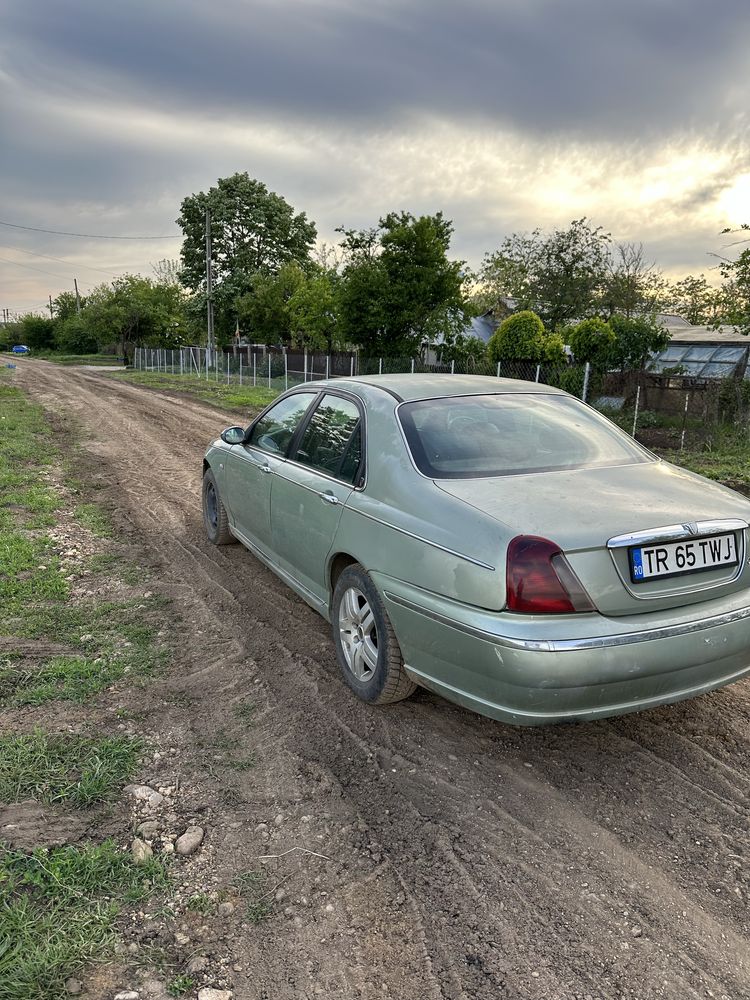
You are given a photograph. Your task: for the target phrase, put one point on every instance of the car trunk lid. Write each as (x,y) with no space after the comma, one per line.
(626,506)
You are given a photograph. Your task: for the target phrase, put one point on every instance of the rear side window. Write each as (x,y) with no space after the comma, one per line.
(276,428)
(464,437)
(332,441)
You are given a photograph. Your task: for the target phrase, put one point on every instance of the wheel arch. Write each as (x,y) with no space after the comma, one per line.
(337,563)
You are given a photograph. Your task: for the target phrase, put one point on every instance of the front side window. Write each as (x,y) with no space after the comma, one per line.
(275,430)
(465,437)
(332,440)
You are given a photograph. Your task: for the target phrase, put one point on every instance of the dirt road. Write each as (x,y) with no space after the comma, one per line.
(462,858)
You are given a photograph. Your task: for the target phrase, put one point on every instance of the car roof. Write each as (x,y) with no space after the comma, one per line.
(428,385)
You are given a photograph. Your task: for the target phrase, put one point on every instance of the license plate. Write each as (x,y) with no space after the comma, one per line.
(677,558)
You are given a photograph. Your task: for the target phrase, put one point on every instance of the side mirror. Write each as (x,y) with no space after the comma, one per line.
(233,435)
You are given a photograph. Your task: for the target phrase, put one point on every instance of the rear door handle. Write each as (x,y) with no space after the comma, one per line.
(328,498)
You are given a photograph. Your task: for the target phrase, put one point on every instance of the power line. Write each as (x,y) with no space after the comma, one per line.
(60,260)
(63,277)
(85,236)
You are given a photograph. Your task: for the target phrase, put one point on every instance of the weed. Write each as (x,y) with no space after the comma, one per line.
(200,902)
(257,912)
(245,710)
(57,911)
(180,985)
(65,768)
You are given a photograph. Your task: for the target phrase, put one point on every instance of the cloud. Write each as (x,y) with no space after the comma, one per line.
(504,114)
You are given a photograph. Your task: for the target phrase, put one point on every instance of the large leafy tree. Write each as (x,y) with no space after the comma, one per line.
(253,232)
(560,275)
(133,310)
(399,289)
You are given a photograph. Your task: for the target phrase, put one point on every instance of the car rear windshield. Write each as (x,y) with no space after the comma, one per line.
(465,437)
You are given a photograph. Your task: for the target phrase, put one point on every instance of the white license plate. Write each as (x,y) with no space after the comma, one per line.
(677,558)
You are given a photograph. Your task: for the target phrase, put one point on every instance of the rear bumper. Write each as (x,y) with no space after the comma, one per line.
(528,670)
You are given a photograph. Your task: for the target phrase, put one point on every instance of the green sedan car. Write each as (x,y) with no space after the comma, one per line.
(496,541)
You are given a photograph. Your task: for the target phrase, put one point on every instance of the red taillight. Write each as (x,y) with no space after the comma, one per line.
(540,580)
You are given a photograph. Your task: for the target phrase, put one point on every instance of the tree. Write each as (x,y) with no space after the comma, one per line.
(636,339)
(560,275)
(593,340)
(469,352)
(253,231)
(66,305)
(74,336)
(735,292)
(518,338)
(314,311)
(37,332)
(264,312)
(399,289)
(631,285)
(134,310)
(696,300)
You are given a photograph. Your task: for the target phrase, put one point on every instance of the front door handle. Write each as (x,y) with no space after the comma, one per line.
(328,498)
(265,468)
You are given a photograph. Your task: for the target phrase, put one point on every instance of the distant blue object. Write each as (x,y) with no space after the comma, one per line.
(10,365)
(20,349)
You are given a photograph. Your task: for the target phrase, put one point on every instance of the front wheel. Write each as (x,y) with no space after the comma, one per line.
(366,646)
(214,513)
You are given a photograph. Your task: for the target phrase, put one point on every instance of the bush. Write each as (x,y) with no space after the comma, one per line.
(518,338)
(593,340)
(636,340)
(36,332)
(74,337)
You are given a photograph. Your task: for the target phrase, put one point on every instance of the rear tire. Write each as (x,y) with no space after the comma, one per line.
(366,646)
(215,516)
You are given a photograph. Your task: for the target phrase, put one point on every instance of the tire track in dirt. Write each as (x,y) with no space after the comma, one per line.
(513,852)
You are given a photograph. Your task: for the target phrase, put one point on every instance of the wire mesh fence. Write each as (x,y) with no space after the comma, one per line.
(664,410)
(281,369)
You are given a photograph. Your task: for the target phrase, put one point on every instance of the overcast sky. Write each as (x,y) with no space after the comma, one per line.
(505,114)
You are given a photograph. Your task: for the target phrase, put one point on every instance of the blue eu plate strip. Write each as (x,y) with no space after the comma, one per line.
(635,555)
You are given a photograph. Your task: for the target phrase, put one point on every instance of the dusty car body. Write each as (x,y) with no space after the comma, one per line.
(493,540)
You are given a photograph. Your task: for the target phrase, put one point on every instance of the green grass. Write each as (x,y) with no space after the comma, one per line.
(232,396)
(65,768)
(57,912)
(78,359)
(120,639)
(26,448)
(91,516)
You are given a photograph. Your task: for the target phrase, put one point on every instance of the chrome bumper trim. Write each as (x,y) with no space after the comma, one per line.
(676,532)
(573,645)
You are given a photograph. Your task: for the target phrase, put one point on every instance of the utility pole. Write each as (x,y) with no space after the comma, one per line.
(78,297)
(209,291)
(51,313)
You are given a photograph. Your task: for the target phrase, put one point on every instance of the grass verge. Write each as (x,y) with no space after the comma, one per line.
(240,397)
(57,912)
(65,768)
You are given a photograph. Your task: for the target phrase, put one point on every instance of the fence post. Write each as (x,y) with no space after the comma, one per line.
(637,404)
(240,367)
(254,369)
(304,367)
(586,374)
(286,371)
(351,366)
(538,371)
(269,369)
(328,365)
(412,366)
(684,420)
(227,357)
(453,367)
(380,366)
(497,373)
